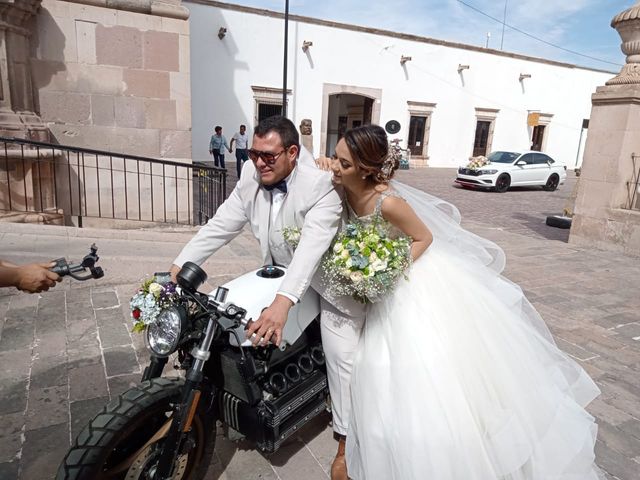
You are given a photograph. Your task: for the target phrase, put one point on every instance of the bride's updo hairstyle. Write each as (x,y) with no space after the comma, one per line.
(369,148)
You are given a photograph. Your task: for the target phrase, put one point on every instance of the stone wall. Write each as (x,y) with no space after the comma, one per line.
(114,75)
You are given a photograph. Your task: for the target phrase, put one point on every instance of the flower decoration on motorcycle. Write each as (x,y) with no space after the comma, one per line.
(478,162)
(365,262)
(152,297)
(292,235)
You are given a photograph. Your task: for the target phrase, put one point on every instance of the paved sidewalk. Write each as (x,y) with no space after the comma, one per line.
(67,352)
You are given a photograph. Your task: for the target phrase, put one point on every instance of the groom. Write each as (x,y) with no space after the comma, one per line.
(277,191)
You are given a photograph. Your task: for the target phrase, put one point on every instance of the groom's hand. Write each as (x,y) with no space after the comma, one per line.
(271,322)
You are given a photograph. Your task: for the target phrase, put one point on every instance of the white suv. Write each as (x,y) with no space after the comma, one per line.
(514,169)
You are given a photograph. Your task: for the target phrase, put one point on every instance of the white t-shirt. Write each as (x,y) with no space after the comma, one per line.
(241,140)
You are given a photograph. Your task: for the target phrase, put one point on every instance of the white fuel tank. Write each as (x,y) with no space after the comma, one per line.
(255,290)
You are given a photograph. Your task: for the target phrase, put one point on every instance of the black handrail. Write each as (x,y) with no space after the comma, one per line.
(104,153)
(69,182)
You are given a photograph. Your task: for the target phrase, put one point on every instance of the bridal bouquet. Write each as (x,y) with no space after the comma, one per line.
(478,162)
(365,262)
(151,298)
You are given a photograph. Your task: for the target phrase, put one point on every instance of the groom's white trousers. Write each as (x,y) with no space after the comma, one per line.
(340,335)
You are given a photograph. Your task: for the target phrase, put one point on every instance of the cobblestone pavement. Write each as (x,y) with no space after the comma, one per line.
(67,352)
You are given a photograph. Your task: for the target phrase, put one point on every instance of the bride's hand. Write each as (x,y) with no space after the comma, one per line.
(324,163)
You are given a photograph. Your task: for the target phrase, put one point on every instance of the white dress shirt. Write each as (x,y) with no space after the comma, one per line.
(277,199)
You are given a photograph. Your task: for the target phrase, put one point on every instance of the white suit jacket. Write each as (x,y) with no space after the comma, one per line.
(311,204)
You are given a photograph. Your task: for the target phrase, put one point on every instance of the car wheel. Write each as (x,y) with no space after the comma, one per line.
(559,221)
(502,183)
(552,183)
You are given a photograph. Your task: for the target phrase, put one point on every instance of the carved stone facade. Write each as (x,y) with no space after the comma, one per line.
(114,75)
(606,215)
(109,75)
(17,106)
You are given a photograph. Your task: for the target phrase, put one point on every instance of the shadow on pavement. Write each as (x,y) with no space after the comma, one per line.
(537,224)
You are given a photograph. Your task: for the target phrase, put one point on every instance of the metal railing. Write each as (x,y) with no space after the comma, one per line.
(68,182)
(633,186)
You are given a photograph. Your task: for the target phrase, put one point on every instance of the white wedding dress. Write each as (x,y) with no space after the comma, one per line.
(456,376)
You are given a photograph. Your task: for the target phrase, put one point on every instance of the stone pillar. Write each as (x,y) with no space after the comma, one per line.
(17,109)
(604,214)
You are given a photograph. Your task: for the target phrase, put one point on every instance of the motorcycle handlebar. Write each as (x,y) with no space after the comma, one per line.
(63,268)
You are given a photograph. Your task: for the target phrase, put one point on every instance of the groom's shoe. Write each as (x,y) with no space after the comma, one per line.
(339,466)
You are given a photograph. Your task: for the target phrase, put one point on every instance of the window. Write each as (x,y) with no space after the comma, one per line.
(529,158)
(418,132)
(266,110)
(268,102)
(539,131)
(503,157)
(537,137)
(483,138)
(541,158)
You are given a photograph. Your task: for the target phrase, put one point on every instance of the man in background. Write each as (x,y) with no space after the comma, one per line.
(242,144)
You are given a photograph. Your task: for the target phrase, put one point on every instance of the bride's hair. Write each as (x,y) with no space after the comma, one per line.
(369,148)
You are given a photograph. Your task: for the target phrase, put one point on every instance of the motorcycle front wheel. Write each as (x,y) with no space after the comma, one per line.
(124,441)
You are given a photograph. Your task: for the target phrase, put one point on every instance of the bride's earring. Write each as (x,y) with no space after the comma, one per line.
(364,177)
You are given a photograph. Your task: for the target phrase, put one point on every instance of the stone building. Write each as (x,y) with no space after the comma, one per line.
(114,75)
(108,75)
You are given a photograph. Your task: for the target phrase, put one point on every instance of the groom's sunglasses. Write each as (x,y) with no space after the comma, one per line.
(267,157)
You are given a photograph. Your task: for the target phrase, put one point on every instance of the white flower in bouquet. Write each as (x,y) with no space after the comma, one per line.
(356,277)
(155,289)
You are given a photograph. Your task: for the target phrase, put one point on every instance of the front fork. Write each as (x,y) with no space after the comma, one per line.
(155,368)
(183,412)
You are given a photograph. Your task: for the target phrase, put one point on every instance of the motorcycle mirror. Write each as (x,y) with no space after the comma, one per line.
(191,276)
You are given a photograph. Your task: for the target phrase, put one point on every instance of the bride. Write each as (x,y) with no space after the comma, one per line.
(456,376)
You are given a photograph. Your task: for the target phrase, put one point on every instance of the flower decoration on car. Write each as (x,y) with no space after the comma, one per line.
(478,162)
(152,297)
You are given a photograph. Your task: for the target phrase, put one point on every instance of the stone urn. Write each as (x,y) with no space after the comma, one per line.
(627,24)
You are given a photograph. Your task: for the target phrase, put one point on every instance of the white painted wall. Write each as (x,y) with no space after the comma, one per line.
(223,72)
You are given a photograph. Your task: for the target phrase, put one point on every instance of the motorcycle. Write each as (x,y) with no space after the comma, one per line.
(165,428)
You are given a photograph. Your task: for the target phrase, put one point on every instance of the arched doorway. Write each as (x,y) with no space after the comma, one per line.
(345,107)
(346,110)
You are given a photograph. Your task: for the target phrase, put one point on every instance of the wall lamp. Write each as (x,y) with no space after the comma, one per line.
(305,45)
(404,59)
(524,75)
(462,67)
(222,32)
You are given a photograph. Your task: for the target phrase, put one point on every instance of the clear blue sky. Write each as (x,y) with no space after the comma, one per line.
(579,25)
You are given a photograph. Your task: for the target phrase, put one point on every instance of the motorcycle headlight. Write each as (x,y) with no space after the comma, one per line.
(488,172)
(163,335)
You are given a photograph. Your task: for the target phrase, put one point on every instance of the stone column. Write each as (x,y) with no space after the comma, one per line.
(604,214)
(17,110)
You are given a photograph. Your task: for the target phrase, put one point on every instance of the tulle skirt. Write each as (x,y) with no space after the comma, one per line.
(457,378)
